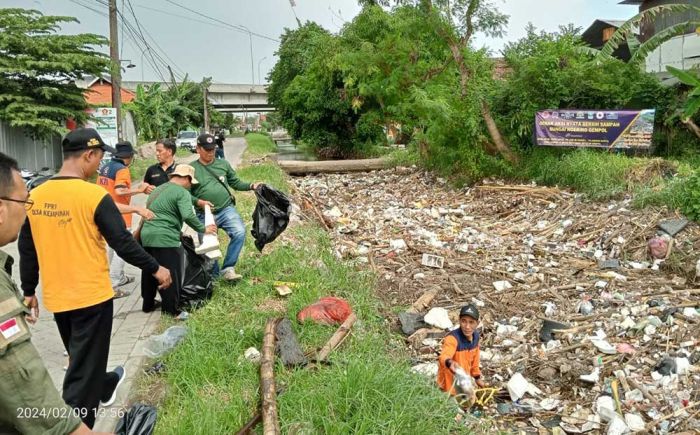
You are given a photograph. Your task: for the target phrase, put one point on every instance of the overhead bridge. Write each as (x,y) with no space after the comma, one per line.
(228,97)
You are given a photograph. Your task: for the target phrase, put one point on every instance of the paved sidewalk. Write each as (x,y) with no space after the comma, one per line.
(130,329)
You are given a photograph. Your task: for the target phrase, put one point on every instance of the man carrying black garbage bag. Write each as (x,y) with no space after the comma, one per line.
(271,215)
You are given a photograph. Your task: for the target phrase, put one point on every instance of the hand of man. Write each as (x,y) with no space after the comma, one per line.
(255,185)
(32,303)
(211,229)
(149,188)
(454,366)
(163,277)
(145,213)
(201,203)
(480,383)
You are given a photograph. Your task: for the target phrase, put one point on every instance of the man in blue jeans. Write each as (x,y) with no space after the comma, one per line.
(215,177)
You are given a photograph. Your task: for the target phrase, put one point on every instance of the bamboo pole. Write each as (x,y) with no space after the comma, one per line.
(271,424)
(337,338)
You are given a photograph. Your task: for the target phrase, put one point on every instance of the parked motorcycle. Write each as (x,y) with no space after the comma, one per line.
(35,179)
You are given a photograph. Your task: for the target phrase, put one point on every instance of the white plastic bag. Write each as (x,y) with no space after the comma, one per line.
(159,345)
(465,387)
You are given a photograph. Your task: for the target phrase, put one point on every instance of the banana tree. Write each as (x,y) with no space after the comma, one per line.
(640,51)
(692,103)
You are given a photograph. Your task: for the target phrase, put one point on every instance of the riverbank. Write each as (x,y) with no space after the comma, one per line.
(209,387)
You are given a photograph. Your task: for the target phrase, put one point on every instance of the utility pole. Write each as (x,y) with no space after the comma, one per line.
(206,111)
(116,65)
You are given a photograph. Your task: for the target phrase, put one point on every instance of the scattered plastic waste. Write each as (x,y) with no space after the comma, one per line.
(159,345)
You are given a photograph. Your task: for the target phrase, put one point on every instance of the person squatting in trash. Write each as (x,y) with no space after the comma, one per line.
(215,177)
(460,348)
(172,205)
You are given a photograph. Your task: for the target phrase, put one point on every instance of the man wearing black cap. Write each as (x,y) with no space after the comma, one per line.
(215,177)
(460,348)
(116,178)
(63,240)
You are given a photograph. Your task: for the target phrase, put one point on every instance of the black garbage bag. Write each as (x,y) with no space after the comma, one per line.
(197,287)
(271,215)
(139,420)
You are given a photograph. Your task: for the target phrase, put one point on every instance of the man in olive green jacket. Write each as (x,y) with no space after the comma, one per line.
(29,402)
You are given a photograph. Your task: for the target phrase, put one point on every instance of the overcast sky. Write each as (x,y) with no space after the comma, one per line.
(193,44)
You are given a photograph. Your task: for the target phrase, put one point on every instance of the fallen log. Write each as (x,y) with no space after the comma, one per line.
(296,167)
(271,424)
(337,338)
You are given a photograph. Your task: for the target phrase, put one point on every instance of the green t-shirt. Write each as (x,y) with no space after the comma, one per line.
(172,207)
(210,189)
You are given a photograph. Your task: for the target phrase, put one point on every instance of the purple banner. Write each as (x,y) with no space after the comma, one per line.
(595,128)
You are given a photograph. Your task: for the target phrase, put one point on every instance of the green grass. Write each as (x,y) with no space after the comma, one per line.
(366,388)
(182,152)
(259,144)
(598,175)
(139,166)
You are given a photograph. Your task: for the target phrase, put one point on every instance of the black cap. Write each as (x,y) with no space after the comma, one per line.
(84,139)
(206,141)
(124,150)
(469,310)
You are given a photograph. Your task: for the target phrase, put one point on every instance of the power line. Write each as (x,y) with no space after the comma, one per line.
(138,25)
(130,33)
(135,34)
(155,42)
(232,26)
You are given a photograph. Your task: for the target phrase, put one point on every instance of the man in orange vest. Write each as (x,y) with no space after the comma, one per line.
(116,178)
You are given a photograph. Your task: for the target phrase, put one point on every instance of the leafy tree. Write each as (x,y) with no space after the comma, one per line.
(455,23)
(548,71)
(307,90)
(389,62)
(38,70)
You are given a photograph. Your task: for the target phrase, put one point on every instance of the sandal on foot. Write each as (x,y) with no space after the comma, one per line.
(119,293)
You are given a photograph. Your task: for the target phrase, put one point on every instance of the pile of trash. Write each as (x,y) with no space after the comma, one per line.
(590,320)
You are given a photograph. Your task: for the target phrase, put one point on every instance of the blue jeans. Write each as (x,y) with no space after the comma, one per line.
(230,221)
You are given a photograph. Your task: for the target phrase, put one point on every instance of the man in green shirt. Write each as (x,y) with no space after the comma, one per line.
(215,176)
(172,205)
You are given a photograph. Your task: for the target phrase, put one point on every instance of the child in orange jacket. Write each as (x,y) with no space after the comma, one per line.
(460,348)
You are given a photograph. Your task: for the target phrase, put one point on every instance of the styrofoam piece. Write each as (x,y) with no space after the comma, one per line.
(435,261)
(617,426)
(635,422)
(518,386)
(604,346)
(438,317)
(502,285)
(210,242)
(605,408)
